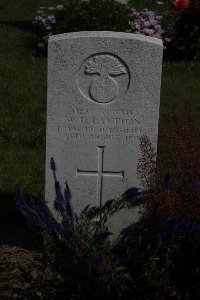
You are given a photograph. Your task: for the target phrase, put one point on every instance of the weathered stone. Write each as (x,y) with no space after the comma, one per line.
(103,93)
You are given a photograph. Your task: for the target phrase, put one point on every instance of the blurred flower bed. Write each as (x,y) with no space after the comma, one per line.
(177,23)
(182,26)
(76,15)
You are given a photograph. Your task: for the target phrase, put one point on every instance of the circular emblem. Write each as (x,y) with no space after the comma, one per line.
(103,77)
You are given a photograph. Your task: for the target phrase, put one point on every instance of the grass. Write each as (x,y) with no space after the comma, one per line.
(179,86)
(23,99)
(23,96)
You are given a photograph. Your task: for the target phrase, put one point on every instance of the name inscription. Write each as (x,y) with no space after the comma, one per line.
(108,125)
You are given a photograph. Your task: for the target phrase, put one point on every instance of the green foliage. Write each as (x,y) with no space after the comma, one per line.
(140,5)
(78,246)
(149,259)
(185,30)
(78,15)
(93,15)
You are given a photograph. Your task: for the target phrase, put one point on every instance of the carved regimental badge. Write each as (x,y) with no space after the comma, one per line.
(103,78)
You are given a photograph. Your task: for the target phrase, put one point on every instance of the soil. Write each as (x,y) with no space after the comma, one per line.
(24,272)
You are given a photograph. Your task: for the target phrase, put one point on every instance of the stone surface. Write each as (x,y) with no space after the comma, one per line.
(103,93)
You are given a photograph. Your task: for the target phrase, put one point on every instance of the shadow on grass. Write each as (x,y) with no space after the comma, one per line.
(22,25)
(14,230)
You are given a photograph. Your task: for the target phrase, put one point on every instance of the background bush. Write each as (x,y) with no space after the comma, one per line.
(176,22)
(182,29)
(77,15)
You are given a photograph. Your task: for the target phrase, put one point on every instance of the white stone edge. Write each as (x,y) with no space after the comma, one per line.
(105,34)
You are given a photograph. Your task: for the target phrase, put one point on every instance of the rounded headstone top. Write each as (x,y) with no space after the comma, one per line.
(105,34)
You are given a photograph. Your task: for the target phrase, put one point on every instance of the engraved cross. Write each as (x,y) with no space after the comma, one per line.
(100,173)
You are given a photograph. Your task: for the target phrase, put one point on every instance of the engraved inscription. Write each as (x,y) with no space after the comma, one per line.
(103,77)
(108,125)
(100,173)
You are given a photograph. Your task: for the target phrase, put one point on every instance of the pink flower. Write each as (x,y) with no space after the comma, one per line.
(181,5)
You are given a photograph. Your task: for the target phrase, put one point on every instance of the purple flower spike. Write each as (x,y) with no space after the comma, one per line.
(18,189)
(19,203)
(66,228)
(19,199)
(158,240)
(31,222)
(41,196)
(69,211)
(108,203)
(85,209)
(54,226)
(43,214)
(98,259)
(110,273)
(168,179)
(195,186)
(101,235)
(127,231)
(172,224)
(58,189)
(67,193)
(116,260)
(93,211)
(59,206)
(32,202)
(53,165)
(132,192)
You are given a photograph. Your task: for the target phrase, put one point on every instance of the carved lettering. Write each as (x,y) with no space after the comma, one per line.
(75,136)
(82,125)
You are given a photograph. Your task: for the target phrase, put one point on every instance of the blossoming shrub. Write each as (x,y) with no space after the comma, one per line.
(177,23)
(147,22)
(184,23)
(154,258)
(172,204)
(161,256)
(150,260)
(78,15)
(78,246)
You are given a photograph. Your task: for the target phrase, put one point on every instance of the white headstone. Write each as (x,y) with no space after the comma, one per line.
(103,93)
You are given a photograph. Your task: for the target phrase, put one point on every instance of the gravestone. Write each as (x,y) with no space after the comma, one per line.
(103,93)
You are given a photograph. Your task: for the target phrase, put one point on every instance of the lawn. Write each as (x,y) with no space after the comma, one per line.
(23,96)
